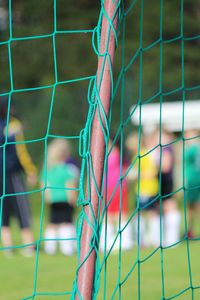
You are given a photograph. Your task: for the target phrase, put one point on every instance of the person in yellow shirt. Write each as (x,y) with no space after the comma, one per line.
(148,182)
(144,173)
(147,192)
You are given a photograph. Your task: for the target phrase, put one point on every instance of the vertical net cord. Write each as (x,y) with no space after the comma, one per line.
(121,150)
(183,136)
(40,238)
(8,113)
(161,151)
(139,144)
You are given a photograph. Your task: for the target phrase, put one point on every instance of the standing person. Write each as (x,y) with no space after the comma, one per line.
(116,202)
(148,191)
(192,172)
(61,180)
(171,213)
(14,161)
(144,174)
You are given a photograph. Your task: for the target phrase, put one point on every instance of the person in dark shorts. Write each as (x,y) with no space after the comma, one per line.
(59,181)
(171,213)
(14,161)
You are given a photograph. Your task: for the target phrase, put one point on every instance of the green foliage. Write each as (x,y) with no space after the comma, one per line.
(34,65)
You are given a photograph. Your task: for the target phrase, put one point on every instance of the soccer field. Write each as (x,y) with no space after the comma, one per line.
(55,274)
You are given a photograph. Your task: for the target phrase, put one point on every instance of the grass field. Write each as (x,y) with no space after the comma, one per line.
(21,276)
(56,274)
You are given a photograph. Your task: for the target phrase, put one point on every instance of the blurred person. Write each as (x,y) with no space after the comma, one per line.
(116,202)
(148,191)
(171,214)
(17,161)
(144,174)
(60,181)
(192,174)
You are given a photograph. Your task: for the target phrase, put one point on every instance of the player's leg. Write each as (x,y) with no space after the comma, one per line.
(5,231)
(66,234)
(6,236)
(192,198)
(127,233)
(66,230)
(50,234)
(153,220)
(139,229)
(7,211)
(152,227)
(22,212)
(108,232)
(171,222)
(195,212)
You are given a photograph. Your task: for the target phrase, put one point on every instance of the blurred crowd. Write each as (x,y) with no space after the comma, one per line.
(58,179)
(142,202)
(157,190)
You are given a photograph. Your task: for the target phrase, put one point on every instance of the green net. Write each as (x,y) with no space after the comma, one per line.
(49,75)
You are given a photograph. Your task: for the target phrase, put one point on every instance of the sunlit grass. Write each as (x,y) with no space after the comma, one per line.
(20,277)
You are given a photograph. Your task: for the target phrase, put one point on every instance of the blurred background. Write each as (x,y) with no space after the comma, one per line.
(33,64)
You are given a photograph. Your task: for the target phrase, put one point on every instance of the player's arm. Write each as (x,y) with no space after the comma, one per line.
(167,162)
(72,193)
(22,152)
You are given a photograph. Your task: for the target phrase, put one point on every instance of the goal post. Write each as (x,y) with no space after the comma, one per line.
(97,150)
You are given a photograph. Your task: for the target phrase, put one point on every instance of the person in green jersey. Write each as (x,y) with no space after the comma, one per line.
(192,176)
(60,182)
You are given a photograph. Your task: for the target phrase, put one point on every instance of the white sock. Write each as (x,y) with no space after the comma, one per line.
(172,222)
(66,232)
(154,231)
(142,230)
(50,246)
(107,232)
(73,231)
(127,237)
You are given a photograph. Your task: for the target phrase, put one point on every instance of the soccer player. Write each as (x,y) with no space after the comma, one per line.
(144,178)
(14,161)
(171,213)
(192,172)
(148,191)
(61,180)
(116,202)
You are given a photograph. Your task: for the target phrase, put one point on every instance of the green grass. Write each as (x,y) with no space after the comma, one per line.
(176,273)
(56,274)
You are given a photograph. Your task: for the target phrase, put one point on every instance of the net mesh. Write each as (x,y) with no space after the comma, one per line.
(118,273)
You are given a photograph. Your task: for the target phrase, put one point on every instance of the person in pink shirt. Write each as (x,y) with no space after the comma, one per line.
(116,201)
